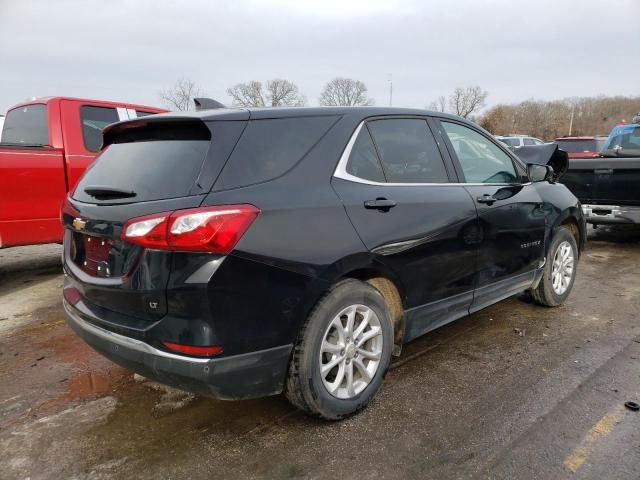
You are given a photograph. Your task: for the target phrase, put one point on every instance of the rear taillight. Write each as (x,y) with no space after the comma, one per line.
(205,229)
(68,209)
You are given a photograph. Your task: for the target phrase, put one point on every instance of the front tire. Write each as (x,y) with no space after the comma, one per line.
(559,271)
(342,352)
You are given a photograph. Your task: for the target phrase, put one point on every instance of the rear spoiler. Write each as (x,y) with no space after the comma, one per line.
(546,154)
(207,104)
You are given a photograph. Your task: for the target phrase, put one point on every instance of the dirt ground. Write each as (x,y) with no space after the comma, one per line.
(514,391)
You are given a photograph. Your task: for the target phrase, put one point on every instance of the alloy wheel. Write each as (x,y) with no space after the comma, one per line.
(562,268)
(351,351)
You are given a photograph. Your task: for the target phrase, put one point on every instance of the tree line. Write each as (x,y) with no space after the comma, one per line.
(276,92)
(539,118)
(558,118)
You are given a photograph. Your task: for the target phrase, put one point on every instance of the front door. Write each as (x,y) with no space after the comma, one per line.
(510,214)
(402,199)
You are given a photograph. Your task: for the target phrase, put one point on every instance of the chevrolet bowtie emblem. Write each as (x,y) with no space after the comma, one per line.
(78,223)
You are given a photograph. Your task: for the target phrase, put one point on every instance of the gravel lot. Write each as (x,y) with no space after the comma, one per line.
(514,391)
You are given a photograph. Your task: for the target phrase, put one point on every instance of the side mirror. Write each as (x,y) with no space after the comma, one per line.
(539,173)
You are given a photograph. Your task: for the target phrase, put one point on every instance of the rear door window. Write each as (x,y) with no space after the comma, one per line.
(27,126)
(408,151)
(271,147)
(93,120)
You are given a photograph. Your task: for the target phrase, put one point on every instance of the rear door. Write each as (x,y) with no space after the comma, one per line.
(511,213)
(400,195)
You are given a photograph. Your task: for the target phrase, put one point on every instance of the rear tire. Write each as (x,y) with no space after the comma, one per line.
(342,353)
(559,271)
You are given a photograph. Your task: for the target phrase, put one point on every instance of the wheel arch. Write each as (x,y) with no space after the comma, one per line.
(572,220)
(391,290)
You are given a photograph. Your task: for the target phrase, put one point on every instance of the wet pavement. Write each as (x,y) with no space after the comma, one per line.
(514,391)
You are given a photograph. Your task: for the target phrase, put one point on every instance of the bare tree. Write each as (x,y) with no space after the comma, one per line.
(180,96)
(284,93)
(439,104)
(345,92)
(247,94)
(465,101)
(279,93)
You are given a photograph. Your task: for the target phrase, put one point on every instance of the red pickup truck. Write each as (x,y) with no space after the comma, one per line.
(47,143)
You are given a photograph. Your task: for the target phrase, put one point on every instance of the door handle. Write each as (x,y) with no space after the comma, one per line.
(383,204)
(486,198)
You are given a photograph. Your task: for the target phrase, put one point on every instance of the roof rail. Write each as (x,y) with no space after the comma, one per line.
(207,104)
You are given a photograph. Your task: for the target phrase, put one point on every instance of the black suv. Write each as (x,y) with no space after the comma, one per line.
(242,253)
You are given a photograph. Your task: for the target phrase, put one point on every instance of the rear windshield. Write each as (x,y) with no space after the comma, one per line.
(624,141)
(269,148)
(578,146)
(154,170)
(512,142)
(26,125)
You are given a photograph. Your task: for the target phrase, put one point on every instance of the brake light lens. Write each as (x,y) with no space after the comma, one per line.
(206,229)
(192,350)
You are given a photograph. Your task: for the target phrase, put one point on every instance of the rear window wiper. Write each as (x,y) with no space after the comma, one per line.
(103,192)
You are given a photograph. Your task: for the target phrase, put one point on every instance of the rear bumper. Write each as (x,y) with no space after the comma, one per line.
(611,214)
(249,375)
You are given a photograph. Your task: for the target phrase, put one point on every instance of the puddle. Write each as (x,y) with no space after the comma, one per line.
(90,384)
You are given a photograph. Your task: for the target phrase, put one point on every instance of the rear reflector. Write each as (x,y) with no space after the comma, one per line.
(206,229)
(191,350)
(71,295)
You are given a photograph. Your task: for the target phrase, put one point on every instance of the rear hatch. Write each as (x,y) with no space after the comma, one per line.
(160,164)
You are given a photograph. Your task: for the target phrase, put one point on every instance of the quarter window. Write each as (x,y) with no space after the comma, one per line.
(481,160)
(93,120)
(408,151)
(269,148)
(363,161)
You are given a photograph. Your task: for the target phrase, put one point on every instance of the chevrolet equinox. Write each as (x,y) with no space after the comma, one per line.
(241,253)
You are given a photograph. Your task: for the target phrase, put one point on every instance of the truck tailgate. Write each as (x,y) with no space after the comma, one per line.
(604,181)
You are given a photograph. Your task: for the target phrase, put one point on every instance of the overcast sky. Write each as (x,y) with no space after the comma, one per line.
(129,50)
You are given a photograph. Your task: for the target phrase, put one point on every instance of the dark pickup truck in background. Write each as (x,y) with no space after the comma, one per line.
(609,186)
